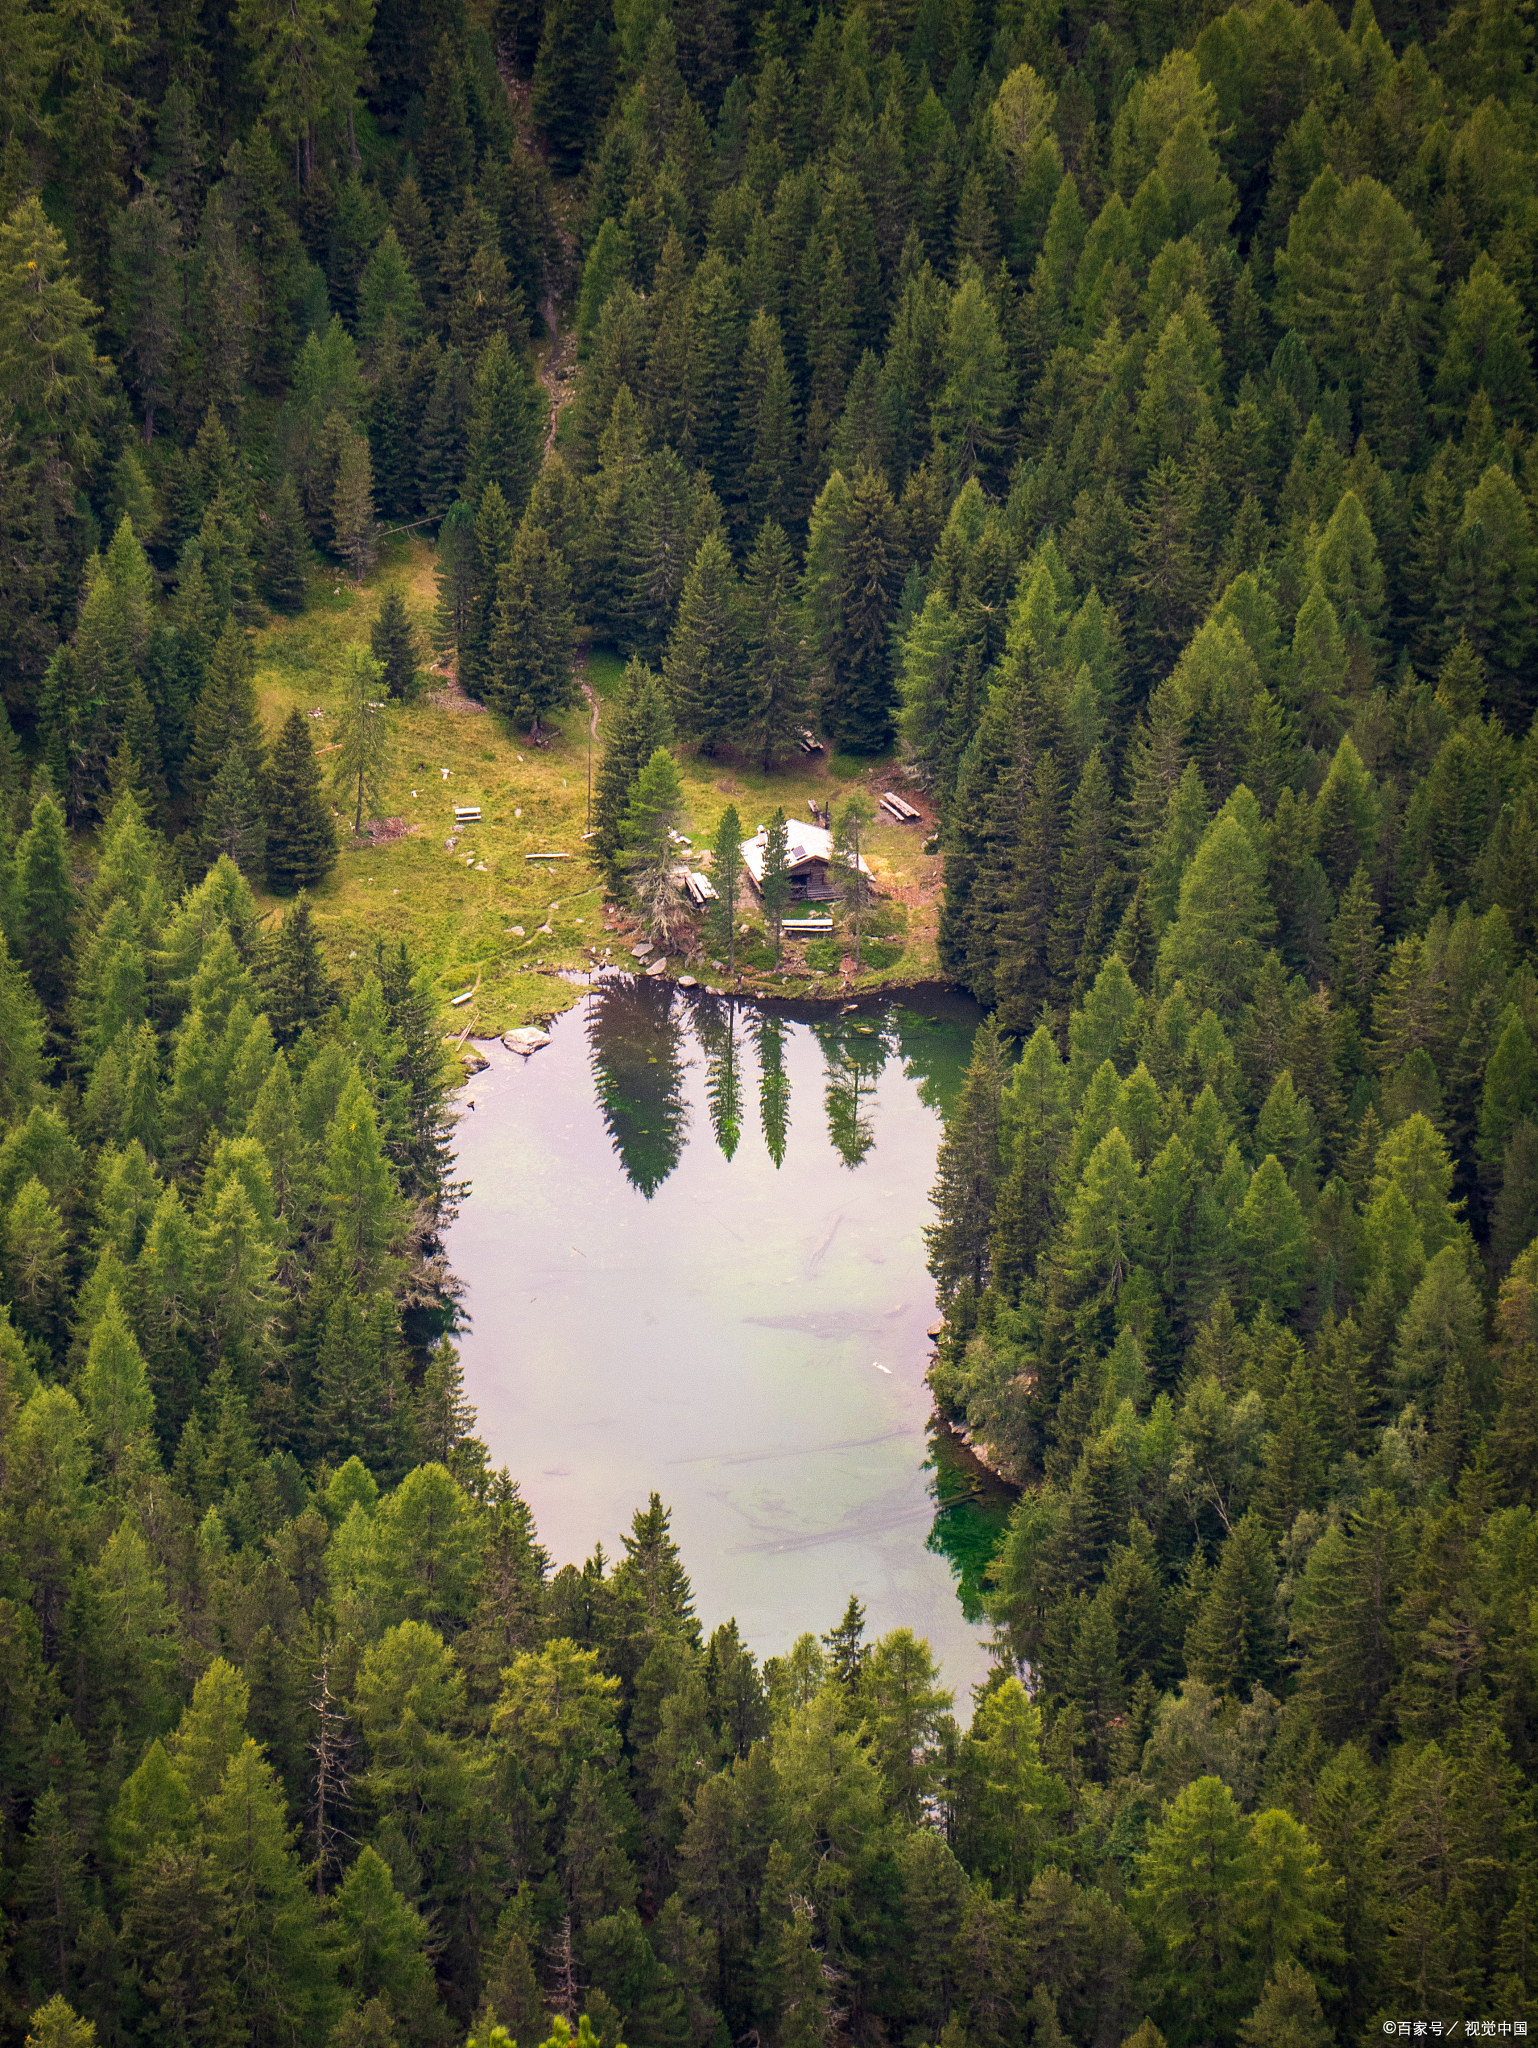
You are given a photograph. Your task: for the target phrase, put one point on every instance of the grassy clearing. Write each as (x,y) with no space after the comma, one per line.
(459,908)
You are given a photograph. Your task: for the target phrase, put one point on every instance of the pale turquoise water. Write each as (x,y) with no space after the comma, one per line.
(654,1302)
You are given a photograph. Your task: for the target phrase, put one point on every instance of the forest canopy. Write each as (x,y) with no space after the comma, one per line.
(1125,420)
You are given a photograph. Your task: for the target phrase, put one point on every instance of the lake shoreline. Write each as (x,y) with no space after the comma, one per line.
(852,998)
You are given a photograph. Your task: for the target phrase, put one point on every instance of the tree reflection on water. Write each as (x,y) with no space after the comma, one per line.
(637,1040)
(638,1032)
(854,1051)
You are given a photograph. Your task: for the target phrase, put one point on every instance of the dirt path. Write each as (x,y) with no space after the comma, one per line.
(558,371)
(558,366)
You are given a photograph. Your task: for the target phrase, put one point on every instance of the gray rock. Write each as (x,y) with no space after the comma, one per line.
(529,1038)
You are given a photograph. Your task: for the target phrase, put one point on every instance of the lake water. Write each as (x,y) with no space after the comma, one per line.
(693,1261)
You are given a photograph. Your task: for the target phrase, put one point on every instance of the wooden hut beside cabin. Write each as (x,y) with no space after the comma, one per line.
(811,858)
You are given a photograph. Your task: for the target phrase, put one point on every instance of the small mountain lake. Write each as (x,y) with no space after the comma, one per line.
(693,1260)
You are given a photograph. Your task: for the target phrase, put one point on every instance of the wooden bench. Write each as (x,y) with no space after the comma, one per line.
(467,814)
(807,928)
(897,807)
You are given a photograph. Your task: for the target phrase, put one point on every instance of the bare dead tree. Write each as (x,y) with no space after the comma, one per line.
(567,1993)
(332,1785)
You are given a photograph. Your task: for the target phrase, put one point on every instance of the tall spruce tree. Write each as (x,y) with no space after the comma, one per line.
(652,815)
(286,551)
(638,722)
(297,988)
(495,530)
(967,1175)
(726,878)
(301,835)
(507,426)
(226,723)
(352,507)
(528,673)
(775,888)
(859,697)
(703,666)
(233,824)
(775,701)
(46,902)
(393,643)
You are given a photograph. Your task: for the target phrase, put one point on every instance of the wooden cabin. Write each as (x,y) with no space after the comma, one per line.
(809,852)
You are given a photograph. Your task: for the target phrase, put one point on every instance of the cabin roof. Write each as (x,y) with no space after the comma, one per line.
(806,846)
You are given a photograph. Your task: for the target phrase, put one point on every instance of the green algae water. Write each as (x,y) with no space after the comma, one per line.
(693,1260)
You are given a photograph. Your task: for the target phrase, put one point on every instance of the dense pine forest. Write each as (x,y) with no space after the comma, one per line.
(1124,419)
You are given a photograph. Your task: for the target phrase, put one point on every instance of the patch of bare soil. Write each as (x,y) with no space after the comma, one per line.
(384,831)
(449,696)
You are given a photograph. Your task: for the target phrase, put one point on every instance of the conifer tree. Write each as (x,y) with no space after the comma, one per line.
(51,1884)
(567,73)
(967,1174)
(388,291)
(117,1396)
(495,530)
(850,830)
(234,820)
(775,887)
(1082,924)
(301,837)
(652,815)
(1034,1135)
(393,643)
(444,438)
(226,722)
(638,723)
(859,698)
(64,722)
(1224,919)
(1321,662)
(298,990)
(455,573)
(507,426)
(726,878)
(703,666)
(970,411)
(383,1939)
(282,1967)
(1234,1640)
(392,447)
(53,377)
(528,666)
(46,900)
(352,506)
(658,555)
(775,706)
(286,551)
(22,1030)
(766,451)
(365,751)
(350,1410)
